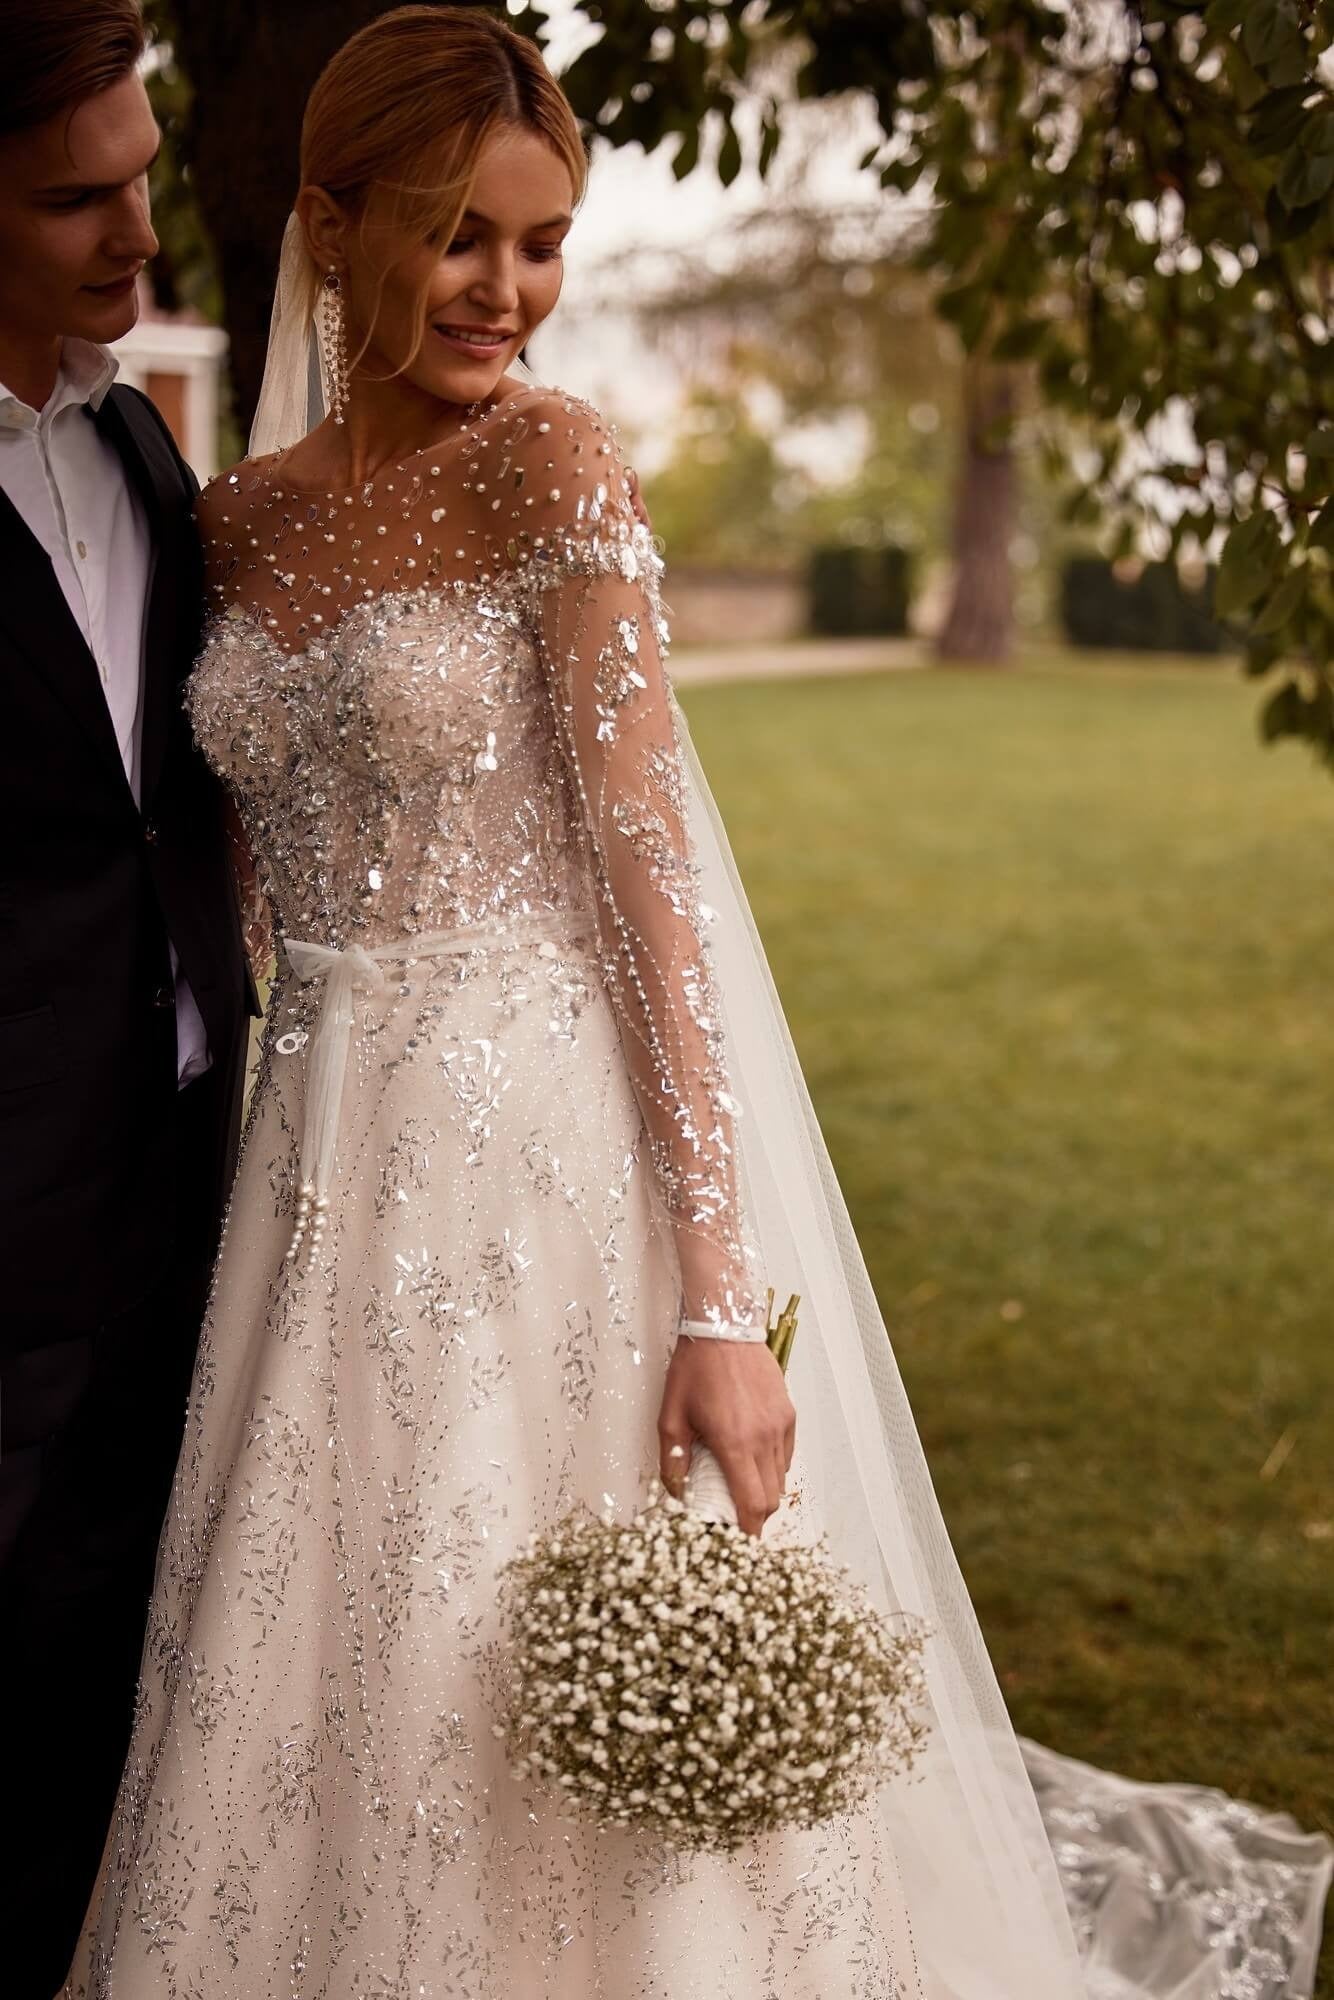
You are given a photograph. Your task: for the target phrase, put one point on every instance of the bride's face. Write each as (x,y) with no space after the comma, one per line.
(464,309)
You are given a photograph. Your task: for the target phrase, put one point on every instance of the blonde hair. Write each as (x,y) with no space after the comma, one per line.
(405,107)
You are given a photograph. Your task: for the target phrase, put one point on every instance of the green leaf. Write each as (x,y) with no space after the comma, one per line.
(1270,27)
(1278,118)
(1289,67)
(1021,341)
(1305,179)
(902,175)
(1320,534)
(1318,131)
(1250,558)
(1282,605)
(687,153)
(1320,443)
(953,301)
(769,138)
(1290,224)
(1284,714)
(1227,14)
(968,307)
(729,156)
(1261,654)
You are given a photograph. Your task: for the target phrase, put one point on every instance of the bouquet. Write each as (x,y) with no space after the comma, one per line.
(677,1675)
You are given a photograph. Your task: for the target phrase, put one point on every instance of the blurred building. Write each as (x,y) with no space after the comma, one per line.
(178,359)
(724,607)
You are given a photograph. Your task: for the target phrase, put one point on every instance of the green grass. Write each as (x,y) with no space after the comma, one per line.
(1057,947)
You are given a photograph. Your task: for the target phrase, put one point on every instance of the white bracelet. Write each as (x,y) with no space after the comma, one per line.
(710,1329)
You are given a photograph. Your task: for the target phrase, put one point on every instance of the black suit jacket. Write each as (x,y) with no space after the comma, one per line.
(91,888)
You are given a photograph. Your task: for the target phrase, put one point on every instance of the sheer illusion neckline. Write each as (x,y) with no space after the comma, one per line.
(270,472)
(521,489)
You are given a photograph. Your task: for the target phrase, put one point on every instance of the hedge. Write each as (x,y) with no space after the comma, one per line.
(859,592)
(1153,612)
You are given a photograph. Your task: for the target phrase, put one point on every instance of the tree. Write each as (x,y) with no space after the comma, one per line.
(1129,201)
(184,272)
(813,315)
(717,500)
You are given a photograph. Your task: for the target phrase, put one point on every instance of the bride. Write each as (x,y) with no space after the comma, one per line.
(527,1143)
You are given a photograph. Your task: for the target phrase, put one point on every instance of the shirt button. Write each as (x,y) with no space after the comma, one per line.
(82,547)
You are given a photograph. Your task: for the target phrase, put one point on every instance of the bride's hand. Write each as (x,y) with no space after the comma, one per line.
(732,1395)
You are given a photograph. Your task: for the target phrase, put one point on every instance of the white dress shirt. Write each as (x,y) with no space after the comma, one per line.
(70,487)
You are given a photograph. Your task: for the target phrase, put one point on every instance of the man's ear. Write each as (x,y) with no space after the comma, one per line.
(325,227)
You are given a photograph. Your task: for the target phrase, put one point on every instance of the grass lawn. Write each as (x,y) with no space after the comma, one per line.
(1057,947)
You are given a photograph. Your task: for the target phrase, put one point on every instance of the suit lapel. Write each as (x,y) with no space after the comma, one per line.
(134,431)
(39,621)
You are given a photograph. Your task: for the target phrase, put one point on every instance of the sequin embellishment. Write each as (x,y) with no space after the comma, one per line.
(440,716)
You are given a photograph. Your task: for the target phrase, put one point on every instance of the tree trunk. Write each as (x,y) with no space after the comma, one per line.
(979,625)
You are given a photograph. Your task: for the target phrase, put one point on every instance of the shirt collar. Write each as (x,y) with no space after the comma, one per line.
(86,373)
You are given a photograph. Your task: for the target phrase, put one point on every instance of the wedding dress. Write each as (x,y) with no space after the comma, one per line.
(523,1094)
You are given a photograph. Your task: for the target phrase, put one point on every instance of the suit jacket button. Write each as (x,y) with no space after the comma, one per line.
(165,997)
(150,832)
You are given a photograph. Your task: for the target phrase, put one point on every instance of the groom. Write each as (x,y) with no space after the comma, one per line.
(124,994)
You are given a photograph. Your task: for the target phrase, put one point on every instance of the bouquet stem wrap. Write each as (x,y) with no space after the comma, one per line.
(706,1490)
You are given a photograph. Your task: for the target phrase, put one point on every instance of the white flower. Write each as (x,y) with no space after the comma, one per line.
(799,1696)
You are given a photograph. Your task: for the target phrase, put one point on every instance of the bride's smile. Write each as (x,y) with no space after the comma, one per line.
(441,291)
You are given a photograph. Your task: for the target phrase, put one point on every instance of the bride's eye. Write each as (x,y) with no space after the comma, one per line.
(457,245)
(543,253)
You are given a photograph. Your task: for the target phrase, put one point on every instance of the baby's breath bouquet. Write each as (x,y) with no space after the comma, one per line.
(678,1675)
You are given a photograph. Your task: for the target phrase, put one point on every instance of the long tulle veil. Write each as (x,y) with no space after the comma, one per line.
(987,1910)
(985,1900)
(291,399)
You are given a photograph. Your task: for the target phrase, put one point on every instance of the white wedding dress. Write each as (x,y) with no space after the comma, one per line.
(505,1063)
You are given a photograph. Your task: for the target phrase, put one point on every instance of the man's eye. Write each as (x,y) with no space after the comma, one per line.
(70,202)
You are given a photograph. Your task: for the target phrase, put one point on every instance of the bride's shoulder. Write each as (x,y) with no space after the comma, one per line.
(551,419)
(230,515)
(229,496)
(563,445)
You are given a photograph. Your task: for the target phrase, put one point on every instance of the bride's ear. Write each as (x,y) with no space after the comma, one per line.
(325,226)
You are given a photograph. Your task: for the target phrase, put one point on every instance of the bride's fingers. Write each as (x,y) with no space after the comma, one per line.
(673,1457)
(747,1485)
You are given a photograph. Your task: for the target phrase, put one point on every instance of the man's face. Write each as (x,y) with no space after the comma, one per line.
(74,227)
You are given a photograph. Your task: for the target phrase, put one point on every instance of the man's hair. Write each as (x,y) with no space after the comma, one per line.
(58,52)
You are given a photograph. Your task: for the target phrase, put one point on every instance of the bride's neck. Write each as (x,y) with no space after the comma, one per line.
(385,422)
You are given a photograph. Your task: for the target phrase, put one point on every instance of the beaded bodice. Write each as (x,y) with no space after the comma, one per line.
(371,683)
(400,772)
(440,702)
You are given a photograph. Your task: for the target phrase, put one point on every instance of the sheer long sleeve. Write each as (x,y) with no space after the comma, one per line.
(256,919)
(603,640)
